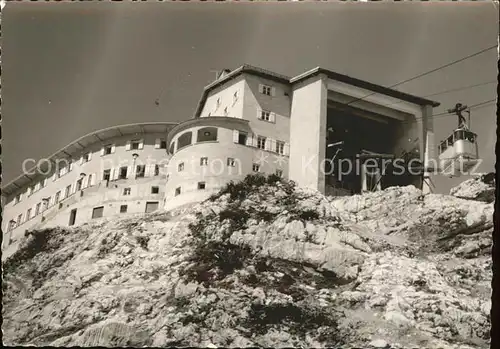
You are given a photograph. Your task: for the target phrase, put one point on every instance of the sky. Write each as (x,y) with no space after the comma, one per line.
(72,68)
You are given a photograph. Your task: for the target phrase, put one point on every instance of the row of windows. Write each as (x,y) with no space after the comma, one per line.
(231,162)
(206,134)
(98,212)
(456,136)
(122,172)
(154,190)
(261,142)
(203,185)
(136,144)
(160,143)
(240,137)
(44,205)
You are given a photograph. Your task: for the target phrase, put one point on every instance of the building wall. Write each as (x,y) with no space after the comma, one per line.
(279,103)
(249,103)
(148,156)
(85,201)
(216,173)
(225,94)
(308,133)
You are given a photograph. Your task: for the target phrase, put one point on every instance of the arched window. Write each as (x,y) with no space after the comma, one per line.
(184,140)
(207,134)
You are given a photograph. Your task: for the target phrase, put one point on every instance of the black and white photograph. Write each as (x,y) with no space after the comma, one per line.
(230,174)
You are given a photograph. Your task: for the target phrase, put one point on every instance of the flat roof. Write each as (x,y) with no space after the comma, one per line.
(365,85)
(82,143)
(246,68)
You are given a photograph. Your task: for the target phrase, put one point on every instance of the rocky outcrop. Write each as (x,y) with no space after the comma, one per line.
(480,188)
(262,263)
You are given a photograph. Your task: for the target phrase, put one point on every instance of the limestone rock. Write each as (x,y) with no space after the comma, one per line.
(286,267)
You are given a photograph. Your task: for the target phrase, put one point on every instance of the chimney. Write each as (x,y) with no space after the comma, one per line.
(223,73)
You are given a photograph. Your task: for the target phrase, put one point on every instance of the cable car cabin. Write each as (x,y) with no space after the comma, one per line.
(458,154)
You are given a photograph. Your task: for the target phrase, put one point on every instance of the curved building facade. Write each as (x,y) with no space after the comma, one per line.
(207,153)
(114,171)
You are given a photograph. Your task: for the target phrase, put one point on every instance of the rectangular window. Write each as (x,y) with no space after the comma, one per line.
(135,145)
(126,191)
(203,161)
(28,214)
(37,209)
(255,167)
(266,90)
(106,175)
(157,170)
(89,181)
(279,173)
(163,144)
(72,217)
(18,198)
(123,172)
(86,157)
(98,212)
(155,190)
(261,142)
(79,185)
(140,171)
(68,191)
(265,115)
(280,147)
(177,191)
(151,206)
(45,204)
(230,162)
(108,149)
(242,138)
(56,198)
(19,218)
(180,167)
(201,185)
(62,172)
(123,208)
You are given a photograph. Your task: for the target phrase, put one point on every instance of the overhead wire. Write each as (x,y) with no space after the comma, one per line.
(443,114)
(447,91)
(428,72)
